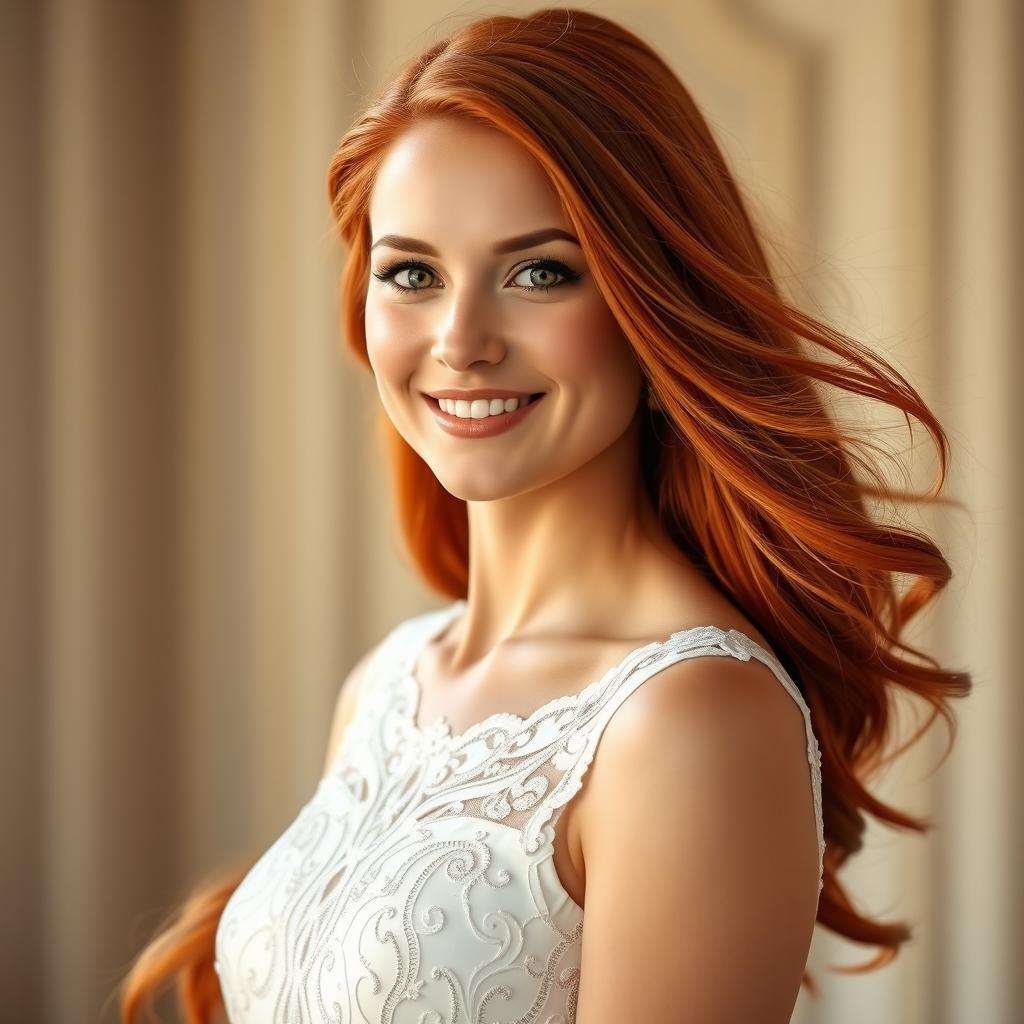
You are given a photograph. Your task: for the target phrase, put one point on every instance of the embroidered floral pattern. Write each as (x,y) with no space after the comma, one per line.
(418,883)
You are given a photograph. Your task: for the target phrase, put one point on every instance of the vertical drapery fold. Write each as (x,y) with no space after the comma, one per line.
(193,543)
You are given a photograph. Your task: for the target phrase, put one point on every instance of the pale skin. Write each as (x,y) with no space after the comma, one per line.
(692,843)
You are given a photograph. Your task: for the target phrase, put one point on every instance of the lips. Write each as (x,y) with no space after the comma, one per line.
(488,426)
(473,394)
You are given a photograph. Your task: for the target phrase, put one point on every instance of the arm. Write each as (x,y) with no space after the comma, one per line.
(700,850)
(345,706)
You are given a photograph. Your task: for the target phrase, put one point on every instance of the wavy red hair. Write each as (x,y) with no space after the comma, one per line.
(752,476)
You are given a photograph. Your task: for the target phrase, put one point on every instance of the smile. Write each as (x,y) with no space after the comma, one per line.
(486,426)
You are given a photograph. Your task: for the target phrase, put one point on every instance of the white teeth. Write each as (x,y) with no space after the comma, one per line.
(480,408)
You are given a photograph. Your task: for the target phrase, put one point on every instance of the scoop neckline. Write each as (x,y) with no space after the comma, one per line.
(440,730)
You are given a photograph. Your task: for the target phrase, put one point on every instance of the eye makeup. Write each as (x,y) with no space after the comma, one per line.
(388,272)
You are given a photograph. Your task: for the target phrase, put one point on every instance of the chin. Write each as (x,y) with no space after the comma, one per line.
(474,490)
(479,484)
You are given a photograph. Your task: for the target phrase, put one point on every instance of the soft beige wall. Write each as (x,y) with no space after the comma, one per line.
(196,534)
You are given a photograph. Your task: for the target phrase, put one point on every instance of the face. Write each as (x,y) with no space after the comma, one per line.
(452,303)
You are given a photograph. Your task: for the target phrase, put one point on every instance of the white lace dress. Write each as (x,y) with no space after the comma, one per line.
(417,885)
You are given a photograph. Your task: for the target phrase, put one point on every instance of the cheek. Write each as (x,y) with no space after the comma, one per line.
(588,353)
(390,344)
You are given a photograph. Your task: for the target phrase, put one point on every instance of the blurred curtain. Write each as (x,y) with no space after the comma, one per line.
(195,530)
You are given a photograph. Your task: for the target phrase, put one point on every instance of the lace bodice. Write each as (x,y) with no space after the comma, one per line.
(418,883)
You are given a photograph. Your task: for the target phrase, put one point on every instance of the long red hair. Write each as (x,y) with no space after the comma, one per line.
(752,476)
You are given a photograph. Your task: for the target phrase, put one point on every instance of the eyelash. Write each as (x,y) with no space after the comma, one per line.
(387,274)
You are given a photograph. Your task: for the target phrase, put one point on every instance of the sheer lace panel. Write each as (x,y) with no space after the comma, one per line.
(418,883)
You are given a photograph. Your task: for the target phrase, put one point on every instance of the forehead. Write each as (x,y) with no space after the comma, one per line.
(445,178)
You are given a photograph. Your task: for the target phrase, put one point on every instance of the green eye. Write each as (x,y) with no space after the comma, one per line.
(388,274)
(545,269)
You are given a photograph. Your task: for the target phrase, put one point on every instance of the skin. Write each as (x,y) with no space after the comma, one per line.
(722,876)
(575,459)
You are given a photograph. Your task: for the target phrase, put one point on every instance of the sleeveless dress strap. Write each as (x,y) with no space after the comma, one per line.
(646,662)
(584,715)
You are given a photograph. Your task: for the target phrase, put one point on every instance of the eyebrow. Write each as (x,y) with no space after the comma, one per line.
(506,246)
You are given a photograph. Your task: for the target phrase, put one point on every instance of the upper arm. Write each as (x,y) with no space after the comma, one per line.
(700,851)
(345,706)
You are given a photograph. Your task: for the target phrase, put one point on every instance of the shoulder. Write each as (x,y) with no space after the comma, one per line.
(714,703)
(700,849)
(406,631)
(346,701)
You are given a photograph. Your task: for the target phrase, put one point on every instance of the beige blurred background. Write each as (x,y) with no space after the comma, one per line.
(195,533)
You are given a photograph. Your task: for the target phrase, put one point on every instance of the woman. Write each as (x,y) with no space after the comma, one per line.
(610,453)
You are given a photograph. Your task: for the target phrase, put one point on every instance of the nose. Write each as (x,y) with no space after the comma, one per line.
(465,332)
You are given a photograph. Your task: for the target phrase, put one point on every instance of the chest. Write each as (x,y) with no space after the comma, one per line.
(523,680)
(405,886)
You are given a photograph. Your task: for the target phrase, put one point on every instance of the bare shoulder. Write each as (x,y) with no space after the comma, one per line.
(345,705)
(700,849)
